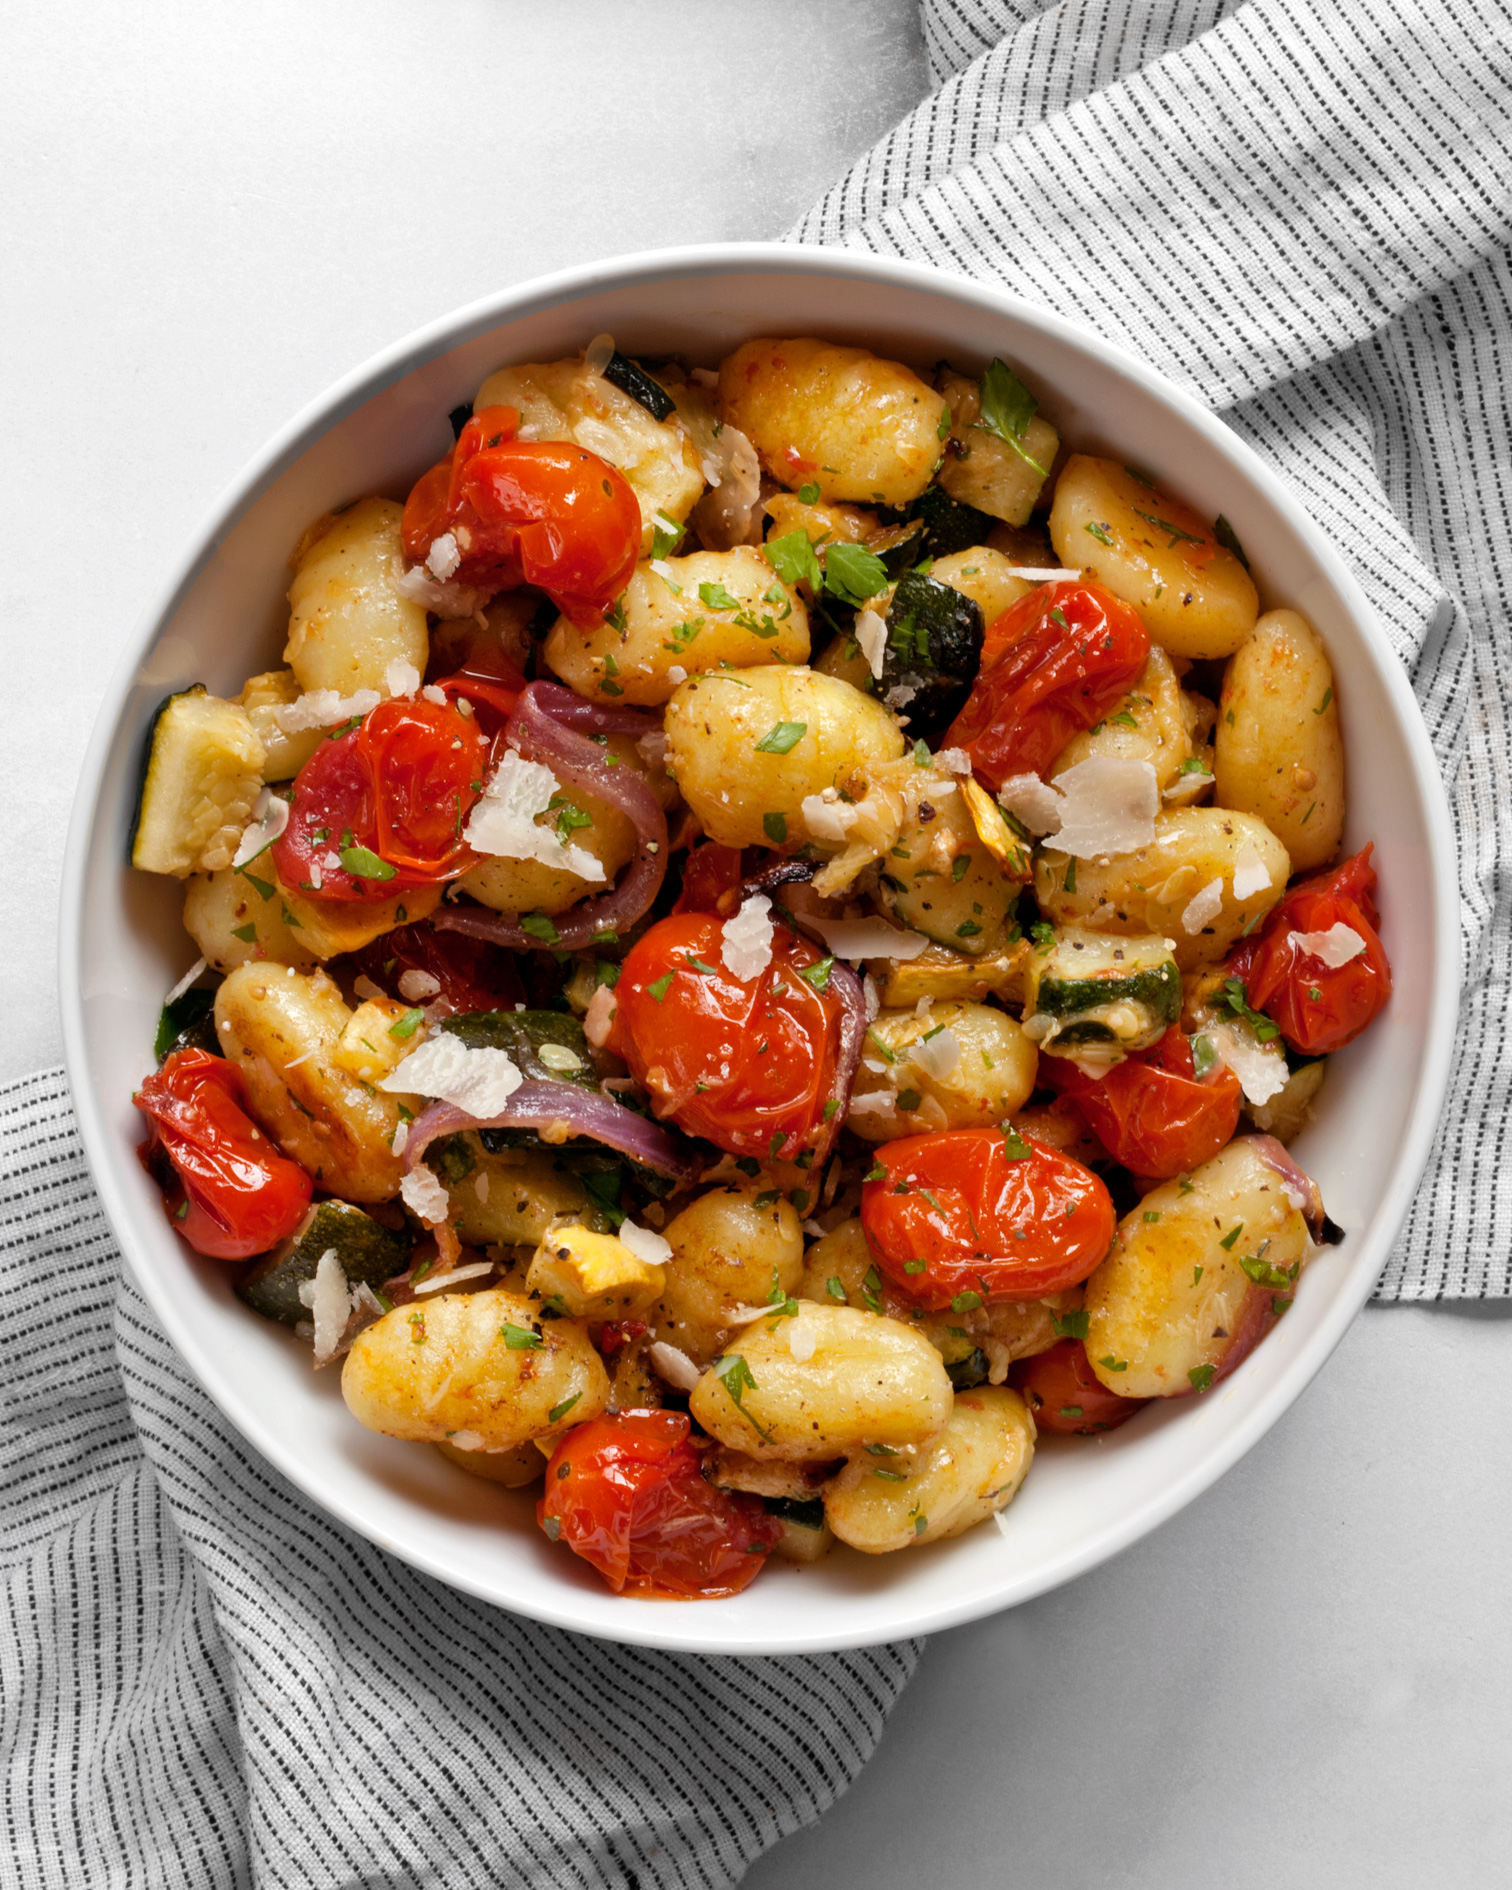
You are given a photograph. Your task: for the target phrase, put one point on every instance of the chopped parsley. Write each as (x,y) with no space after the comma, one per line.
(1229,539)
(519,1338)
(661,987)
(363,863)
(792,558)
(1100,533)
(774,826)
(782,738)
(559,1411)
(1201,1376)
(539,926)
(735,1375)
(853,574)
(716,597)
(818,975)
(1165,525)
(407,1025)
(1071,1325)
(1007,407)
(1234,999)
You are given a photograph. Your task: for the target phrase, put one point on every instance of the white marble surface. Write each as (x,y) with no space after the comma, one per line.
(212,211)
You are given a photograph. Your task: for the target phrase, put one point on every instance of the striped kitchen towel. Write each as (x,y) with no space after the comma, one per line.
(205,1683)
(1299,210)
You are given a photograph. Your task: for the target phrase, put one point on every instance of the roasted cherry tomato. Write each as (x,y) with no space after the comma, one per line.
(470,974)
(747,1062)
(709,872)
(1064,1394)
(543,512)
(1318,1007)
(974,1215)
(467,661)
(627,1495)
(1151,1112)
(227,1189)
(1053,664)
(381,809)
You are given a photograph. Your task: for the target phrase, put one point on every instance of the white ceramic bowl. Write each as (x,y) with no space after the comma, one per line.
(221,616)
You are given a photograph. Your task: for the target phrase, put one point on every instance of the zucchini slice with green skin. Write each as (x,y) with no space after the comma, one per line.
(934,647)
(1096,991)
(188,1023)
(632,379)
(524,1036)
(369,1254)
(900,547)
(968,1371)
(948,524)
(202,773)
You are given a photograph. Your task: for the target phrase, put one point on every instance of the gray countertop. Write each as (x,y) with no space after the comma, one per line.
(212,213)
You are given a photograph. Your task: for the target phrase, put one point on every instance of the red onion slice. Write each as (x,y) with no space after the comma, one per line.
(1325,1232)
(545,727)
(847,987)
(538,1105)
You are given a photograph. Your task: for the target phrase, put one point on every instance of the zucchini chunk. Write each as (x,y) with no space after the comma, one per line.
(547,1046)
(632,379)
(369,1254)
(1094,991)
(934,646)
(900,547)
(203,771)
(188,1023)
(806,1535)
(950,526)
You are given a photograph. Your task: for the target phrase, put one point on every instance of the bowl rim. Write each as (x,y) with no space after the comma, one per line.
(537,295)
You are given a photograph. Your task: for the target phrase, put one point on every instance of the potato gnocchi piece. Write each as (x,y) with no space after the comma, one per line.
(821,524)
(515,1468)
(973,1469)
(1279,750)
(1180,887)
(565,400)
(985,575)
(1190,1286)
(484,1365)
(866,1381)
(709,610)
(1196,598)
(748,750)
(507,885)
(233,923)
(727,1252)
(347,619)
(959,1066)
(262,697)
(282,1030)
(984,471)
(1152,723)
(856,426)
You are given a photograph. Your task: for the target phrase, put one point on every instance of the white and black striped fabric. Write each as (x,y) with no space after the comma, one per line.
(1299,210)
(207,1684)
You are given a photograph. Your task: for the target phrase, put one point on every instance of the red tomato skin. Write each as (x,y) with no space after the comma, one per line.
(231,1193)
(627,1495)
(542,512)
(966,1237)
(710,871)
(403,784)
(1149,1112)
(1041,681)
(1280,979)
(473,975)
(1065,1395)
(709,1028)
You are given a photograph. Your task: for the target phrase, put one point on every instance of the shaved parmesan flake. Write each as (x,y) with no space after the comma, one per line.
(802,1338)
(870,631)
(423,1193)
(953,761)
(1261,1068)
(599,1016)
(329,1303)
(443,557)
(854,939)
(451,601)
(479,1081)
(270,816)
(599,353)
(748,1315)
(871,996)
(1251,874)
(872,1102)
(401,678)
(467,1440)
(1109,807)
(503,822)
(938,1054)
(1186,787)
(401,1136)
(324,708)
(1031,801)
(1036,575)
(184,983)
(672,1366)
(677,674)
(480,1186)
(745,945)
(433,692)
(645,1244)
(418,987)
(363,987)
(652,748)
(1203,908)
(827,817)
(1334,947)
(438,1280)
